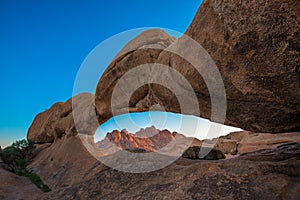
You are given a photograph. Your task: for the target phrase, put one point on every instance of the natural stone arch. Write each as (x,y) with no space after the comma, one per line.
(261,75)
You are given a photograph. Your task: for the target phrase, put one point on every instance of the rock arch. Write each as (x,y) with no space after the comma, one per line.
(258,57)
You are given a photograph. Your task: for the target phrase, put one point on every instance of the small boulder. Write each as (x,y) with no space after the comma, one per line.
(191,152)
(227,146)
(203,153)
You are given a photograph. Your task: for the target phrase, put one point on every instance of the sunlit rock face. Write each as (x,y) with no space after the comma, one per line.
(148,139)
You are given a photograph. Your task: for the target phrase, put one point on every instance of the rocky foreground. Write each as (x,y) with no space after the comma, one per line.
(16,187)
(257,166)
(265,174)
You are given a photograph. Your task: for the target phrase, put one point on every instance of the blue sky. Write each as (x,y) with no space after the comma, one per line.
(43,44)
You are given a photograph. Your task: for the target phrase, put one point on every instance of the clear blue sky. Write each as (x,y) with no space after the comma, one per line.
(43,44)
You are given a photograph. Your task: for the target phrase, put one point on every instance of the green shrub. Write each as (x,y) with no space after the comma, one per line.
(17,156)
(35,179)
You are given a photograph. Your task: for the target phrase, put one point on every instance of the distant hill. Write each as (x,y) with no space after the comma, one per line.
(148,139)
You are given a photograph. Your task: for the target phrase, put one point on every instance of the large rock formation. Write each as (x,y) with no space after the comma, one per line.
(255,46)
(59,120)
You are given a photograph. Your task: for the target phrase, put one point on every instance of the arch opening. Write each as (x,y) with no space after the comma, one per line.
(188,125)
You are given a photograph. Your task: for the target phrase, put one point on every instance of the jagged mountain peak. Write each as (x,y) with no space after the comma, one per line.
(150,139)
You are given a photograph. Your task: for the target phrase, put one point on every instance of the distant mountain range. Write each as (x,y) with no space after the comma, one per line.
(148,139)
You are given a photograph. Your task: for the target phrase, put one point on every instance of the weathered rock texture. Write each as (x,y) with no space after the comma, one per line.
(143,49)
(255,45)
(246,141)
(64,163)
(70,170)
(59,119)
(264,174)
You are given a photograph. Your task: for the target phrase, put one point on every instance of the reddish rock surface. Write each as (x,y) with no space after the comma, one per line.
(149,139)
